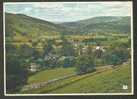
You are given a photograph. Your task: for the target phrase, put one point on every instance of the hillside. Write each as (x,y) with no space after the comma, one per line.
(110,81)
(105,79)
(19,24)
(22,25)
(102,24)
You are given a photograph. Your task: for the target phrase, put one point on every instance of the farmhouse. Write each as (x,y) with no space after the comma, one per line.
(99,50)
(33,67)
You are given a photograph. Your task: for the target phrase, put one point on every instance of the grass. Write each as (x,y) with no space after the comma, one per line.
(46,75)
(109,81)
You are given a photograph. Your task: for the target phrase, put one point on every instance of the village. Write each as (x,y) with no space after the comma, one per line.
(78,46)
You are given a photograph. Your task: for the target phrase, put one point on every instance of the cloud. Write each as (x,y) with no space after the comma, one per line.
(116,4)
(27,9)
(70,11)
(48,5)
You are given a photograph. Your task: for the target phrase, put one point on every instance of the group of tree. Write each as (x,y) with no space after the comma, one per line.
(19,58)
(17,61)
(114,55)
(16,72)
(85,64)
(117,54)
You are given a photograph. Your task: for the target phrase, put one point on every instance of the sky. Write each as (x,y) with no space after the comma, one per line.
(69,11)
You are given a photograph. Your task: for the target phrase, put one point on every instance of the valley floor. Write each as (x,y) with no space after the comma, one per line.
(104,80)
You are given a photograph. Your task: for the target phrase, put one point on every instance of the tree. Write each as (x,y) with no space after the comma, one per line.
(113,59)
(48,48)
(116,56)
(40,62)
(69,62)
(85,63)
(67,48)
(16,70)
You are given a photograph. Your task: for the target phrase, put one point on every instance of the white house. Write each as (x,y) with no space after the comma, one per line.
(33,67)
(100,48)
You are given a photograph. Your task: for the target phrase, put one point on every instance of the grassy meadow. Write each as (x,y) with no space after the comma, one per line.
(107,80)
(46,75)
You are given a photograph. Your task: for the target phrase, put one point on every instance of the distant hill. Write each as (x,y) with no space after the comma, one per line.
(107,24)
(19,24)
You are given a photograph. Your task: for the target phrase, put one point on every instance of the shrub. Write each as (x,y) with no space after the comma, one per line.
(16,71)
(68,62)
(85,63)
(116,56)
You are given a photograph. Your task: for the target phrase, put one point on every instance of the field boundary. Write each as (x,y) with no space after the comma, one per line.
(45,83)
(41,84)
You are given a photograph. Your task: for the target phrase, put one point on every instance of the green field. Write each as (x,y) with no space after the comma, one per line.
(46,75)
(107,80)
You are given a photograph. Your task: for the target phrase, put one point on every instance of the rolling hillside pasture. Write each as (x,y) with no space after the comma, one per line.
(103,24)
(46,75)
(107,79)
(110,81)
(19,24)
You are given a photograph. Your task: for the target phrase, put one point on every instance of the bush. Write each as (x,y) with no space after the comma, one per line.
(16,68)
(85,64)
(16,72)
(68,62)
(116,56)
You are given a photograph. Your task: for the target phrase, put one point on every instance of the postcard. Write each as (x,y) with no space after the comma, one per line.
(68,48)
